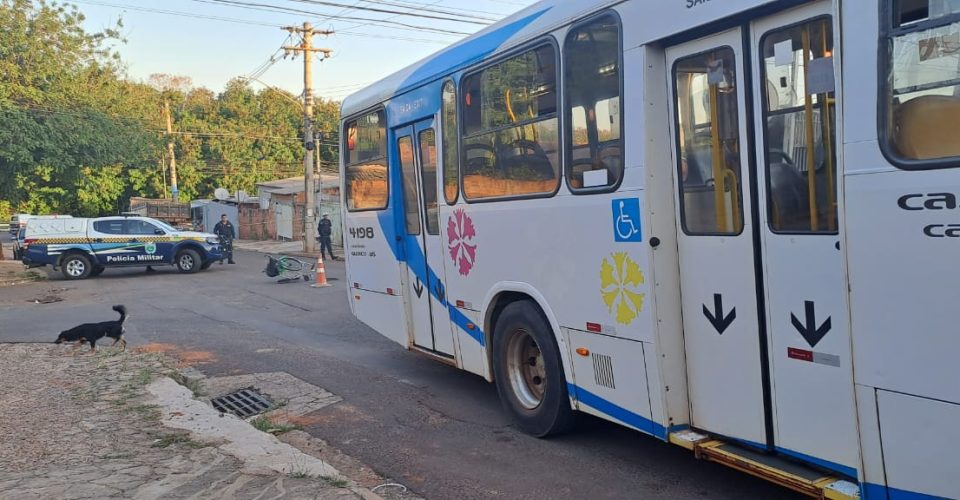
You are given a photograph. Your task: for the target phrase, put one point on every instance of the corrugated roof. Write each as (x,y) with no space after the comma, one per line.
(295,184)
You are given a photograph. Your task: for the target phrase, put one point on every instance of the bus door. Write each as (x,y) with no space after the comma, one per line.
(715,238)
(765,328)
(807,318)
(425,290)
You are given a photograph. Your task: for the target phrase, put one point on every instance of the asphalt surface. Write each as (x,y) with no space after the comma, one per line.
(437,430)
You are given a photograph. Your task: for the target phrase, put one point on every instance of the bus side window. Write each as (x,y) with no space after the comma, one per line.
(800,120)
(708,139)
(922,118)
(511,128)
(592,80)
(365,182)
(451,152)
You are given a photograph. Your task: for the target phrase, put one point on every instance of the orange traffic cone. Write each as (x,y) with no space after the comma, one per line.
(321,275)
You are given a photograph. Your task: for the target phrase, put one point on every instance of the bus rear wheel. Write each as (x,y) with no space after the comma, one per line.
(529,371)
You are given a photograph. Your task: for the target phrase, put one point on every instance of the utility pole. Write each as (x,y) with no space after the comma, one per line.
(319,140)
(173,158)
(307,50)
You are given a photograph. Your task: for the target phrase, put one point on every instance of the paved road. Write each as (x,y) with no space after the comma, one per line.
(437,430)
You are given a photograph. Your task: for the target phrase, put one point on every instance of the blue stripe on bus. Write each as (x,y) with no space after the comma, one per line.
(617,412)
(870,491)
(644,424)
(826,464)
(407,249)
(468,52)
(462,321)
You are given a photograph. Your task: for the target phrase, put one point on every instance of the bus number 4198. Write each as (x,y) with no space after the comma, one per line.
(362,233)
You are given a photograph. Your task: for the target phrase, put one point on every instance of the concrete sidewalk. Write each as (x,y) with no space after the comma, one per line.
(116,425)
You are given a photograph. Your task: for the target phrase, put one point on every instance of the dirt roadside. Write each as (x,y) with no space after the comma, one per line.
(90,426)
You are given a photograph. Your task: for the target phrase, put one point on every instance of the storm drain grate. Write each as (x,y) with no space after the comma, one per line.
(243,403)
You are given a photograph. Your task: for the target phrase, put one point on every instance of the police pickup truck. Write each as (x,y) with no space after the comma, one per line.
(81,248)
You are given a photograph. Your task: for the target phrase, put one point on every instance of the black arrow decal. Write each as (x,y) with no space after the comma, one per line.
(441,293)
(418,287)
(809,331)
(717,319)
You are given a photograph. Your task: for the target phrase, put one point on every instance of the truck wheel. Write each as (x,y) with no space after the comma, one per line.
(76,267)
(188,261)
(529,371)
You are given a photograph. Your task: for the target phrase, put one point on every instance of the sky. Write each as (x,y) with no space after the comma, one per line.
(214,41)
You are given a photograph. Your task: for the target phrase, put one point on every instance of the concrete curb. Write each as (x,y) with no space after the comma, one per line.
(260,452)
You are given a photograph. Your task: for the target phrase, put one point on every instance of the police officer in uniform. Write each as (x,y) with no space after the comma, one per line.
(325,229)
(224,229)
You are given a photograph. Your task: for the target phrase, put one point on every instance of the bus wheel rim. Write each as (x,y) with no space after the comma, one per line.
(526,371)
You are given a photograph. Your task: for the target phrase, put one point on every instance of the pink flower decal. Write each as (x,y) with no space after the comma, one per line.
(460,241)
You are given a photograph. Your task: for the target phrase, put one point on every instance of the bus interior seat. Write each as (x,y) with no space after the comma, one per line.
(789,190)
(526,154)
(928,127)
(699,167)
(609,158)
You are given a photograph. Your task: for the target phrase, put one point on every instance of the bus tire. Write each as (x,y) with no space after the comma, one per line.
(188,261)
(76,266)
(529,371)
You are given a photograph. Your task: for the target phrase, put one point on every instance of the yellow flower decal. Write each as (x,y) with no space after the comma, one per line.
(620,281)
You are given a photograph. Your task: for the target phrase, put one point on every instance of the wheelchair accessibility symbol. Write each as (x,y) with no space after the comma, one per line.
(626,220)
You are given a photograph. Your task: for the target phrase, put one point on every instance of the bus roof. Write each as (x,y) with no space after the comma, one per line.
(524,25)
(648,23)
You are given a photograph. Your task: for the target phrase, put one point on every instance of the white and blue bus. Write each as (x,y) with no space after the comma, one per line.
(732,225)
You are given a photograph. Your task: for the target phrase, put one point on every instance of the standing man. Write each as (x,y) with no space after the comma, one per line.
(325,228)
(224,229)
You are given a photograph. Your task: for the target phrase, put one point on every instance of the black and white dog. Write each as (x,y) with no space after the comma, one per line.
(92,332)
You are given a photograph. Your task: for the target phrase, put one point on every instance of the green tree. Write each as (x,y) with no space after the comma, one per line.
(77,136)
(64,112)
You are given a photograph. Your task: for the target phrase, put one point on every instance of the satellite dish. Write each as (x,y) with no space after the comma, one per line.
(221,194)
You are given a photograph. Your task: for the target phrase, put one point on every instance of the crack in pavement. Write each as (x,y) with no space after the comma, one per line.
(251,292)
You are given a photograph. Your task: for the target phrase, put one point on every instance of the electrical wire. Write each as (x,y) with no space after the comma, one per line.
(462,19)
(289,10)
(271,25)
(178,13)
(429,7)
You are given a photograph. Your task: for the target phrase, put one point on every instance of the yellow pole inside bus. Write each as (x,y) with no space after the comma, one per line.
(828,141)
(808,108)
(718,179)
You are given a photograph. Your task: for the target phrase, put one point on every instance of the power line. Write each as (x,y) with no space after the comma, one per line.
(265,24)
(289,10)
(263,68)
(178,13)
(430,6)
(462,19)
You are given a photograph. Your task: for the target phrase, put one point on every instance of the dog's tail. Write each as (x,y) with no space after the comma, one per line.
(123,312)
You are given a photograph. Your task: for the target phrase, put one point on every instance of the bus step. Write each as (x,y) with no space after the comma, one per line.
(778,470)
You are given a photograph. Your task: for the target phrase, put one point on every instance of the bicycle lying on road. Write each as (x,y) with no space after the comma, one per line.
(288,269)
